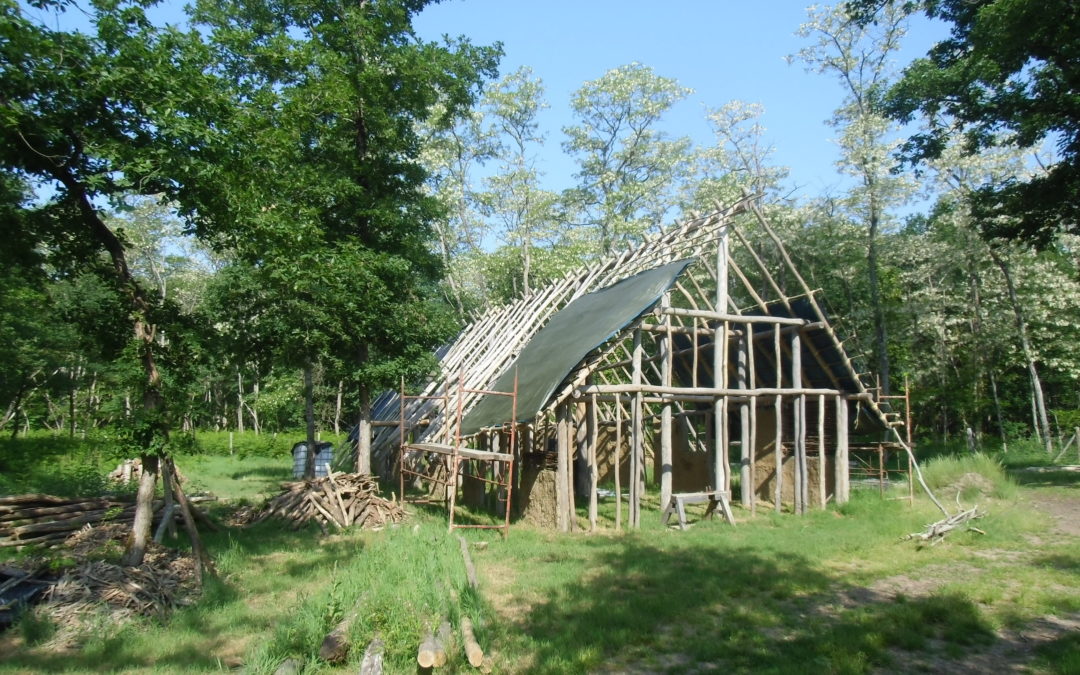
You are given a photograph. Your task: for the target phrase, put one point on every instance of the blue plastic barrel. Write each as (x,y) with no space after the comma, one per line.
(324,456)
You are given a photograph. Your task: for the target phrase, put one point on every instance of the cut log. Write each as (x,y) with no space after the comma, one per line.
(470,570)
(425,654)
(473,652)
(372,664)
(290,667)
(335,646)
(442,643)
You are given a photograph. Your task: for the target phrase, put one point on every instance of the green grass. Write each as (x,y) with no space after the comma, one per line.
(834,591)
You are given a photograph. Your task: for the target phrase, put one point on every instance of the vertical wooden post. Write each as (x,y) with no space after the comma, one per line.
(745,489)
(722,468)
(637,435)
(821,449)
(778,403)
(752,383)
(799,420)
(574,434)
(618,463)
(562,439)
(593,469)
(665,411)
(840,463)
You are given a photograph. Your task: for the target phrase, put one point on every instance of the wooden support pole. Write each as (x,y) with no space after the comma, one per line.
(843,470)
(721,467)
(666,410)
(562,440)
(745,489)
(778,447)
(799,420)
(618,466)
(594,470)
(821,450)
(637,435)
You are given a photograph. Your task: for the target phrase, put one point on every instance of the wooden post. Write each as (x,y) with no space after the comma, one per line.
(799,420)
(821,449)
(745,489)
(721,466)
(665,411)
(562,439)
(843,474)
(778,448)
(637,435)
(593,469)
(618,468)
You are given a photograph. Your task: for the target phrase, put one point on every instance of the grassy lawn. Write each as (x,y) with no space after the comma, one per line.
(835,591)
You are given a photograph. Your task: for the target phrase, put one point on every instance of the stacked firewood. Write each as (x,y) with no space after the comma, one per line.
(339,499)
(45,520)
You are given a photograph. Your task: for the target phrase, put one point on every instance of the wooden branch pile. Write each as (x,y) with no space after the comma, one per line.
(935,532)
(45,520)
(339,499)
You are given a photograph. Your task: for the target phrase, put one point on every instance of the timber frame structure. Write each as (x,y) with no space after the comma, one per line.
(779,414)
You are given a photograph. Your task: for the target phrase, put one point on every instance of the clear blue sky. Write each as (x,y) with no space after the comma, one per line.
(722,49)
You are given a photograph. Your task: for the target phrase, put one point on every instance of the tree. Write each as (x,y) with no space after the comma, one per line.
(627,168)
(525,213)
(739,162)
(328,194)
(1007,76)
(859,56)
(96,115)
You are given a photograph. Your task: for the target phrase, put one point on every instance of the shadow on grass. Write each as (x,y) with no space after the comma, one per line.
(268,473)
(639,608)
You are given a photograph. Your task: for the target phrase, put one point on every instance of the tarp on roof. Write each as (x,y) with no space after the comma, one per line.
(573,332)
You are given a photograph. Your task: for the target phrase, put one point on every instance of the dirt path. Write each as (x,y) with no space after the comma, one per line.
(1063,509)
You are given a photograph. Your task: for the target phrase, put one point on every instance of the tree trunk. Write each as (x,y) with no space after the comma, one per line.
(881,339)
(337,408)
(139,536)
(363,423)
(1029,355)
(156,433)
(309,416)
(239,400)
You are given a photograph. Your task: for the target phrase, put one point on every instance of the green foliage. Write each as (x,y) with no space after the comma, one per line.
(60,465)
(1005,77)
(628,169)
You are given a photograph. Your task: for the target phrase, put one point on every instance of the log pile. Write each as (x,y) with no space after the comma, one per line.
(339,499)
(45,520)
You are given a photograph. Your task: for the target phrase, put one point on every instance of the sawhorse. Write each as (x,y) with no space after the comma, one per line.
(678,503)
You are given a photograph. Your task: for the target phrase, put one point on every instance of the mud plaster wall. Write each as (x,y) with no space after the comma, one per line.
(765,476)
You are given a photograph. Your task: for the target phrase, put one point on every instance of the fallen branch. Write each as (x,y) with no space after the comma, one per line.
(935,532)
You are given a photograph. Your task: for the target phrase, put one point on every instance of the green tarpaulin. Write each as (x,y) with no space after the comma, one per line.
(574,331)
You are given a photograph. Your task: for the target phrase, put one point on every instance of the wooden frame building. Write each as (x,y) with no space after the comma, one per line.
(778,415)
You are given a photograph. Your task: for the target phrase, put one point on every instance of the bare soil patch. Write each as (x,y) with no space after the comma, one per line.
(1064,510)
